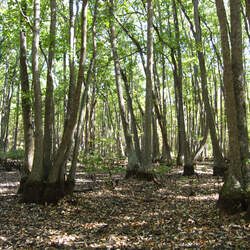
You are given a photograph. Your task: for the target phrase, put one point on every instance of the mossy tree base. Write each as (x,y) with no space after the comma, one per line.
(188,170)
(140,175)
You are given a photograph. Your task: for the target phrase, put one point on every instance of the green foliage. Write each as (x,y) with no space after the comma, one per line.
(162,169)
(18,154)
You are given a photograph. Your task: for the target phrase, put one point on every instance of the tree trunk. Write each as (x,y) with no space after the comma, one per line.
(55,185)
(14,146)
(26,104)
(248,11)
(146,169)
(238,76)
(34,185)
(49,98)
(79,131)
(235,191)
(132,156)
(219,163)
(188,163)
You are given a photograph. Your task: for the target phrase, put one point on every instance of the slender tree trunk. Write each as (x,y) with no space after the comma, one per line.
(49,114)
(132,157)
(71,58)
(80,125)
(147,137)
(188,163)
(133,119)
(4,104)
(26,104)
(17,119)
(34,185)
(219,163)
(248,11)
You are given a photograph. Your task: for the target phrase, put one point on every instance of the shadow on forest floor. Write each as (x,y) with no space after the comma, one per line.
(110,212)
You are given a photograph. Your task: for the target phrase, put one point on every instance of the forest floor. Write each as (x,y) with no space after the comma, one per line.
(109,212)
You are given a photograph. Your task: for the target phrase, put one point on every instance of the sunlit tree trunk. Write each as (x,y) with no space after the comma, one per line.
(235,192)
(219,163)
(80,123)
(188,163)
(34,185)
(128,138)
(147,136)
(26,103)
(55,184)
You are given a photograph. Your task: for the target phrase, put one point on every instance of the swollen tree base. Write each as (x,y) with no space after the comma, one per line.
(188,170)
(140,175)
(69,187)
(53,192)
(232,205)
(22,184)
(40,192)
(219,170)
(33,192)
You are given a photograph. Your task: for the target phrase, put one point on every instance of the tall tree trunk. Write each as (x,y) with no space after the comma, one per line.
(188,163)
(55,185)
(132,157)
(80,125)
(133,119)
(238,76)
(4,104)
(14,146)
(235,191)
(248,11)
(26,103)
(146,169)
(34,185)
(49,98)
(219,163)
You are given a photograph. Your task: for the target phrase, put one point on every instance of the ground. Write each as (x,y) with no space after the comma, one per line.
(110,212)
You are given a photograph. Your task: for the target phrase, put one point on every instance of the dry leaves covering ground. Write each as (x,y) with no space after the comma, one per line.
(111,213)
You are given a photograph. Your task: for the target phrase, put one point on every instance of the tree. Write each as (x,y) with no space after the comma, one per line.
(26,101)
(147,137)
(219,163)
(234,195)
(35,189)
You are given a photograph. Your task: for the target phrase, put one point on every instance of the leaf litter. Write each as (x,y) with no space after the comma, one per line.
(177,213)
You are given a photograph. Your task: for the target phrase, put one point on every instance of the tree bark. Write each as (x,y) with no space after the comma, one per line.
(80,125)
(133,160)
(147,136)
(26,104)
(49,98)
(235,191)
(55,185)
(188,163)
(219,163)
(37,169)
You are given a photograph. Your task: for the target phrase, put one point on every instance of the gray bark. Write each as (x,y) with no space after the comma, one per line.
(49,99)
(219,162)
(37,170)
(26,100)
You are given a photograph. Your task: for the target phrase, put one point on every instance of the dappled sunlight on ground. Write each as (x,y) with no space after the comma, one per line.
(178,213)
